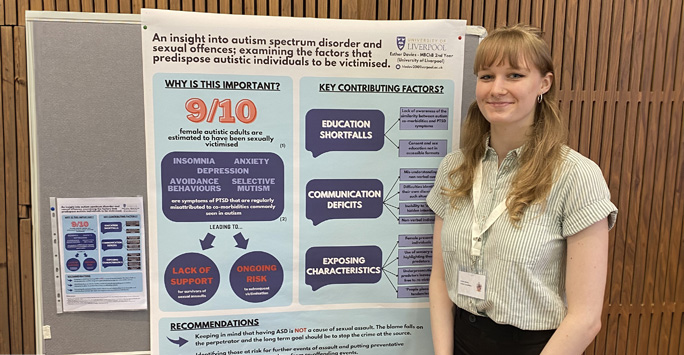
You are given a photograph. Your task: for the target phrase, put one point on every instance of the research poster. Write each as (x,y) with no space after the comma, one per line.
(101,253)
(288,164)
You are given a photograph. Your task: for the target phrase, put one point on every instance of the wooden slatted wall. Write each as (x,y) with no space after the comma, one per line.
(620,70)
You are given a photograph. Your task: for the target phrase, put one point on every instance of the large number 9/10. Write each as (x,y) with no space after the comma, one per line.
(245,111)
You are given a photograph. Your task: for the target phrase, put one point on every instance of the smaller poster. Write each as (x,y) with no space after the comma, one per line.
(102,253)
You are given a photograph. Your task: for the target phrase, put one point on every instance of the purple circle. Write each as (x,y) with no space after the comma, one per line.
(256,276)
(73,264)
(90,264)
(191,279)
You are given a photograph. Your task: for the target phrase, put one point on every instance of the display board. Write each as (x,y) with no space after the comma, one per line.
(88,140)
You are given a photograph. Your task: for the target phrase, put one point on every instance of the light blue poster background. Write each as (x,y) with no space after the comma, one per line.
(274,119)
(371,332)
(383,165)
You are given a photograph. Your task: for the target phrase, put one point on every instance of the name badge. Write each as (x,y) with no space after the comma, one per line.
(472,285)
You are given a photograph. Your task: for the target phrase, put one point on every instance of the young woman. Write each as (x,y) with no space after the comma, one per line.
(521,230)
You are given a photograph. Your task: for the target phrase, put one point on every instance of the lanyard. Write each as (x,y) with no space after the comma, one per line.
(476,231)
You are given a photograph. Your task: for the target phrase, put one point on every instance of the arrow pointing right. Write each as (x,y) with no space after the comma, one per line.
(180,341)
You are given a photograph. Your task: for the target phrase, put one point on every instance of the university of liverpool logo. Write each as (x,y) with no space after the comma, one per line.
(401,41)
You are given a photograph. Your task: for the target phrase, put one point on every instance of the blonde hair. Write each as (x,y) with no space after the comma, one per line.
(542,153)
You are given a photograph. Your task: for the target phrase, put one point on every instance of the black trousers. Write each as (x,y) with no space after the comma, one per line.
(477,335)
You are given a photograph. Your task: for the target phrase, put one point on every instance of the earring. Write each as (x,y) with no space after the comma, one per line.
(539,98)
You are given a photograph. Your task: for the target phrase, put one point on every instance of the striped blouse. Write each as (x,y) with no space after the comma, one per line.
(524,266)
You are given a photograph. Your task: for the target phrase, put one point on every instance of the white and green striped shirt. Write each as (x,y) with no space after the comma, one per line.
(525,265)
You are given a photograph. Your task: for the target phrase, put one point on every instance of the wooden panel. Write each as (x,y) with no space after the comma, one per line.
(679,70)
(22,6)
(249,7)
(261,7)
(406,10)
(198,5)
(237,7)
(569,46)
(661,203)
(467,12)
(10,8)
(488,13)
(349,9)
(21,111)
(478,14)
(320,10)
(678,217)
(222,6)
(333,9)
(674,37)
(4,296)
(589,25)
(99,5)
(430,10)
(75,5)
(603,43)
(149,4)
(63,5)
(395,9)
(655,175)
(506,12)
(48,5)
(382,10)
(443,9)
(418,10)
(33,5)
(640,177)
(367,10)
(298,9)
(28,314)
(630,193)
(213,7)
(627,25)
(286,8)
(555,38)
(11,197)
(113,7)
(619,245)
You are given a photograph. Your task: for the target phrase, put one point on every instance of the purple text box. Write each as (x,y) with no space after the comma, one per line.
(417,174)
(422,148)
(417,256)
(108,227)
(414,191)
(112,244)
(343,199)
(414,208)
(415,240)
(112,261)
(413,291)
(414,275)
(80,241)
(343,265)
(344,130)
(417,220)
(424,118)
(222,186)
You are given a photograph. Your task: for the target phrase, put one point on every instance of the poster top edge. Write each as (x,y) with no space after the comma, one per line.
(82,17)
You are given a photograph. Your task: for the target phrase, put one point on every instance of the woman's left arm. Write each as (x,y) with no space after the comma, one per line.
(585,283)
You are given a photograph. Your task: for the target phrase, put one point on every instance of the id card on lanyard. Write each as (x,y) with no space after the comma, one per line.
(474,284)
